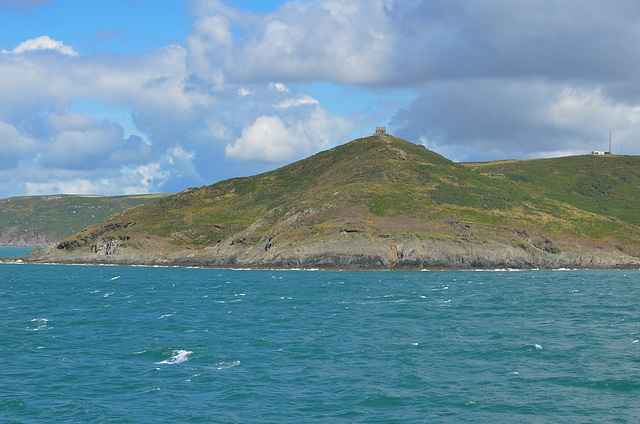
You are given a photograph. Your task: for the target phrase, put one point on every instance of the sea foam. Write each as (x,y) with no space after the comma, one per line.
(177,357)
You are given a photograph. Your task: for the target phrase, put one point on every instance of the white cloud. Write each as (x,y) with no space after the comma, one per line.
(488,80)
(151,175)
(269,139)
(44,42)
(83,149)
(70,122)
(302,41)
(483,120)
(74,186)
(181,161)
(304,100)
(14,146)
(266,139)
(278,86)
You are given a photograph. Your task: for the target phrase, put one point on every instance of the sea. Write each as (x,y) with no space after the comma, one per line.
(112,344)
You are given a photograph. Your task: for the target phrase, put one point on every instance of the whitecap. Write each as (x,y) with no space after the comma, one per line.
(225,365)
(41,324)
(193,376)
(115,278)
(177,357)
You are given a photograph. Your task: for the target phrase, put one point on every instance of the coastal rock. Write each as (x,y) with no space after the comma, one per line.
(354,251)
(15,237)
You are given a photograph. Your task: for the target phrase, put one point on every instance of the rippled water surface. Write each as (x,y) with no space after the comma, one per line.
(83,344)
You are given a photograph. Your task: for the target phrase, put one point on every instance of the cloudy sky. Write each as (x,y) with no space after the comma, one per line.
(143,96)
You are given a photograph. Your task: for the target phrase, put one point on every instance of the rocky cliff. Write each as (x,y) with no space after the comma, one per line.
(358,251)
(16,237)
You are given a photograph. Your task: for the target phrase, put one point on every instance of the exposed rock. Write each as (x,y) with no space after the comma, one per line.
(355,251)
(15,237)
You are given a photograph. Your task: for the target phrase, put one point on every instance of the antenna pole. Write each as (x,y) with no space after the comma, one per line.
(609,142)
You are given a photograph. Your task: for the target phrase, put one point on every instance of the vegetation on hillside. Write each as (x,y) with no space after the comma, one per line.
(59,216)
(366,180)
(606,185)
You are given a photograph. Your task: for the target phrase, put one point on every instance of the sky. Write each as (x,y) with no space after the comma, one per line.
(143,96)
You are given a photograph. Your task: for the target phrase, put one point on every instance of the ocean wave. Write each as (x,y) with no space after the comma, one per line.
(177,357)
(40,324)
(226,364)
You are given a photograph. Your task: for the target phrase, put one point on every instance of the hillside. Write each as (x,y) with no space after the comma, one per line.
(376,202)
(46,220)
(608,185)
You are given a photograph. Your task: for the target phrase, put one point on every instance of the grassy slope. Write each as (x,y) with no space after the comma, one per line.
(606,185)
(59,216)
(367,179)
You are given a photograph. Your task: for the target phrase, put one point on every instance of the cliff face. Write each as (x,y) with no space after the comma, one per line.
(374,203)
(16,237)
(358,251)
(46,220)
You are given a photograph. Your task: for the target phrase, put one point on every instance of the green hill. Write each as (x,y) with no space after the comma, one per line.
(375,202)
(608,185)
(43,220)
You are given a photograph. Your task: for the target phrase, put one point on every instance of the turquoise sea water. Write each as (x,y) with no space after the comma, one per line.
(107,344)
(6,251)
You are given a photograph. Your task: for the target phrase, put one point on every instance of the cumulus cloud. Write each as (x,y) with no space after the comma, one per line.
(14,146)
(483,120)
(347,42)
(486,80)
(44,42)
(266,139)
(147,176)
(83,149)
(70,122)
(418,45)
(304,100)
(181,161)
(270,139)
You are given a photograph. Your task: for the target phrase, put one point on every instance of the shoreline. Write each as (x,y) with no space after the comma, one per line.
(20,261)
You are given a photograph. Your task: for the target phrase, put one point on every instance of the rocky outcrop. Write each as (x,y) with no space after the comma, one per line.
(15,237)
(358,250)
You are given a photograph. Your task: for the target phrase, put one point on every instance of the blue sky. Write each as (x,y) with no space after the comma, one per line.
(137,96)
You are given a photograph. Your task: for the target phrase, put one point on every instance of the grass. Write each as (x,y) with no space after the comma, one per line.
(608,186)
(59,216)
